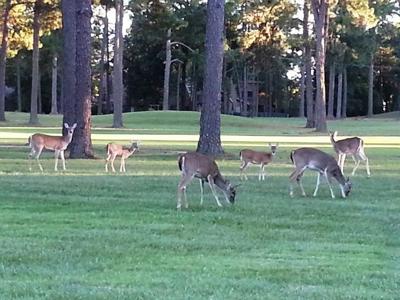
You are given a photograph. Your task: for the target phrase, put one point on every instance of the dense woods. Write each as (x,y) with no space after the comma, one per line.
(313,58)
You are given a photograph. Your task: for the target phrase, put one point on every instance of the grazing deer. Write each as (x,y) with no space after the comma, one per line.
(323,163)
(197,165)
(39,141)
(114,150)
(353,146)
(248,157)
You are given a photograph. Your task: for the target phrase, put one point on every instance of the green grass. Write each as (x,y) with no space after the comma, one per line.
(84,234)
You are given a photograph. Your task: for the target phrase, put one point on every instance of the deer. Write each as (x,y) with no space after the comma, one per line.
(353,146)
(39,141)
(114,150)
(197,165)
(321,162)
(248,157)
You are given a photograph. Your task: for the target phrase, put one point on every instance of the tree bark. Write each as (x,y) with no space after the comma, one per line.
(33,118)
(3,58)
(210,120)
(344,106)
(167,71)
(69,63)
(54,110)
(118,85)
(302,101)
(81,145)
(245,94)
(310,123)
(339,96)
(331,92)
(371,87)
(103,78)
(320,9)
(19,94)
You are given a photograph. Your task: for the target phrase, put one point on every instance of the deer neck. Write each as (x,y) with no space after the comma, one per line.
(221,182)
(67,138)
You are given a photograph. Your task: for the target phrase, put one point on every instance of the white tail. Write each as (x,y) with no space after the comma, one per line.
(58,144)
(194,164)
(353,146)
(114,150)
(323,163)
(248,157)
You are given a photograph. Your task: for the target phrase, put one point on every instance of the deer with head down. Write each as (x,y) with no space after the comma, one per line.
(39,141)
(197,165)
(248,157)
(321,162)
(114,150)
(353,146)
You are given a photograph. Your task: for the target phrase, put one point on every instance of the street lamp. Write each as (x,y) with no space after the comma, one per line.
(168,62)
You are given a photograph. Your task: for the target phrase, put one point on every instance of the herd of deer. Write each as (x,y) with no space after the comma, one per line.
(196,165)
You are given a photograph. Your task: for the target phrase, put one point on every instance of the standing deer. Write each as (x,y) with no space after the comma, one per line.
(197,165)
(353,146)
(58,144)
(323,163)
(248,157)
(114,150)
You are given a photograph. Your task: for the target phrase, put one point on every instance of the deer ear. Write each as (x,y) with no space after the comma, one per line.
(66,125)
(74,126)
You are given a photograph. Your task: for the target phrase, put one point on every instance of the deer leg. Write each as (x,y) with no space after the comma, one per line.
(211,184)
(63,159)
(263,172)
(122,166)
(56,155)
(107,161)
(112,162)
(243,168)
(201,191)
(38,152)
(365,158)
(30,158)
(357,161)
(328,181)
(297,175)
(342,160)
(182,190)
(317,185)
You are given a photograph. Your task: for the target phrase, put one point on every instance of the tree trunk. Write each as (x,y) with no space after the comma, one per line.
(3,57)
(210,120)
(371,87)
(81,146)
(245,94)
(118,85)
(103,78)
(331,92)
(69,63)
(178,87)
(19,94)
(167,70)
(344,106)
(33,119)
(108,88)
(302,92)
(310,123)
(320,8)
(339,96)
(54,110)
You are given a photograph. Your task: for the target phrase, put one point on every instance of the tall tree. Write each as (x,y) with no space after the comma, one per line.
(33,118)
(6,7)
(81,145)
(210,120)
(118,85)
(310,123)
(320,9)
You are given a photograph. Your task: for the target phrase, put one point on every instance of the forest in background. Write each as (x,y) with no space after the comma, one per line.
(269,56)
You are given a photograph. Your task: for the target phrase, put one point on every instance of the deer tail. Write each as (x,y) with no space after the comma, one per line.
(108,148)
(181,162)
(29,142)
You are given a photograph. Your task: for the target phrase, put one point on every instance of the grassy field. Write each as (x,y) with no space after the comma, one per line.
(84,234)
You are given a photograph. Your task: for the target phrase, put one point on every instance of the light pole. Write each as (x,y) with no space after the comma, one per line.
(167,68)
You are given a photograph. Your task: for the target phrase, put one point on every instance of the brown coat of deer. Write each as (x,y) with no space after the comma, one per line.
(39,141)
(197,165)
(114,150)
(248,157)
(353,146)
(321,162)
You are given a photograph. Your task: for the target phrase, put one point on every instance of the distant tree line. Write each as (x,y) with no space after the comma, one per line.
(306,58)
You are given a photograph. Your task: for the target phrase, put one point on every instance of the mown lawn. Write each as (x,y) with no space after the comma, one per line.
(84,234)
